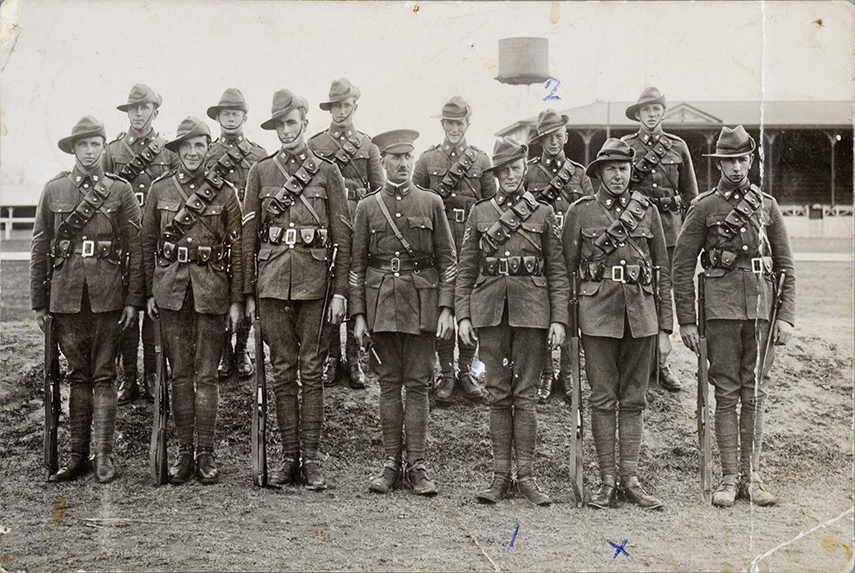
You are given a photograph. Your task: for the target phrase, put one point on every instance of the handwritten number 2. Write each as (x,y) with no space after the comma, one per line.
(551,96)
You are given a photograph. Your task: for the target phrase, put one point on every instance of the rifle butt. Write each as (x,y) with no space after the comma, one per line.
(51,397)
(258,442)
(157,451)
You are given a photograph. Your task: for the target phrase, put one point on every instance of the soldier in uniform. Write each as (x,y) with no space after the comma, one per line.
(741,237)
(558,181)
(512,289)
(231,114)
(191,227)
(358,159)
(662,172)
(139,156)
(295,212)
(401,289)
(87,222)
(614,239)
(457,172)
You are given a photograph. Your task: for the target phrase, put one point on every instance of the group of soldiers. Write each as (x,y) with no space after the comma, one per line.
(455,249)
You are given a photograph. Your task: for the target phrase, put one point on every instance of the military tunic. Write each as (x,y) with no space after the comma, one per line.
(252,153)
(663,172)
(567,178)
(127,147)
(355,155)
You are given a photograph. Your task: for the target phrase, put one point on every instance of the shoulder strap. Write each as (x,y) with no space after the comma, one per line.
(143,159)
(294,185)
(407,246)
(194,207)
(92,202)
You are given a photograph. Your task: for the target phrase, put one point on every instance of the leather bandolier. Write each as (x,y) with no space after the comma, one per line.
(510,222)
(137,166)
(651,160)
(456,173)
(556,186)
(69,228)
(722,256)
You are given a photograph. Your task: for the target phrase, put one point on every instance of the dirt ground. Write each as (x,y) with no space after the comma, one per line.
(232,526)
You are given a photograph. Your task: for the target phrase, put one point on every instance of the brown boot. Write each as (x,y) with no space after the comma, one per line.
(634,493)
(417,476)
(206,469)
(387,480)
(77,465)
(128,390)
(604,497)
(105,472)
(497,491)
(445,388)
(529,489)
(288,474)
(312,475)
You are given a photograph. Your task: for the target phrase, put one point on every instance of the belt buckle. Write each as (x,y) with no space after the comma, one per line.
(140,197)
(459,215)
(503,267)
(88,249)
(560,218)
(757,265)
(291,237)
(617,274)
(396,264)
(183,255)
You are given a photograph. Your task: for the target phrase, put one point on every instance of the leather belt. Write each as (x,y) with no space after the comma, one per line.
(528,265)
(729,260)
(305,237)
(399,265)
(87,248)
(666,204)
(596,271)
(200,254)
(456,215)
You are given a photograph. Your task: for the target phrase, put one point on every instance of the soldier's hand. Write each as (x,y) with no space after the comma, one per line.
(39,314)
(151,308)
(690,336)
(466,333)
(130,315)
(360,329)
(783,331)
(556,335)
(335,313)
(664,346)
(235,317)
(445,324)
(249,308)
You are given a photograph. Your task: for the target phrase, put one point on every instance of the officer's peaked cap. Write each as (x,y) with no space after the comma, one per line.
(283,102)
(189,127)
(395,141)
(87,127)
(456,108)
(733,143)
(141,93)
(549,121)
(232,99)
(649,96)
(612,150)
(505,151)
(340,90)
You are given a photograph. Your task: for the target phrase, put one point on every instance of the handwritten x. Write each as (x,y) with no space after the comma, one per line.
(620,549)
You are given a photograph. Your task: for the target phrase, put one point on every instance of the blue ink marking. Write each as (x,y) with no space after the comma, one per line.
(514,538)
(620,549)
(551,96)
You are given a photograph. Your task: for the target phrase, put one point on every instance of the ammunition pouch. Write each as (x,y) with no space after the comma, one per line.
(597,270)
(203,254)
(308,237)
(512,266)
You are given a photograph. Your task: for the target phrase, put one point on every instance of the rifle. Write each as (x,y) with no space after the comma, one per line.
(769,347)
(704,437)
(258,440)
(330,273)
(657,303)
(576,477)
(51,396)
(157,450)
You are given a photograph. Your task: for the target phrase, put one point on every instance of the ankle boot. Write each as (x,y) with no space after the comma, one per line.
(497,491)
(105,472)
(76,466)
(604,497)
(388,478)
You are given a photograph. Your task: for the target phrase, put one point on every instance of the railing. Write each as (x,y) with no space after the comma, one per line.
(813,211)
(8,219)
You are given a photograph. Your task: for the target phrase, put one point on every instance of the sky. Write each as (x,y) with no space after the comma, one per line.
(65,59)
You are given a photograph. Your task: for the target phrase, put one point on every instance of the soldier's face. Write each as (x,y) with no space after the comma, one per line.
(455,129)
(615,176)
(735,169)
(342,111)
(231,120)
(511,175)
(399,166)
(192,152)
(553,143)
(290,129)
(88,150)
(651,115)
(141,115)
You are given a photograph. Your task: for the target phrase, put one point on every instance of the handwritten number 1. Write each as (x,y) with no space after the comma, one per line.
(551,96)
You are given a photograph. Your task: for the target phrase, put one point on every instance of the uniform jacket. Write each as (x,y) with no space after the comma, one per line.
(739,293)
(475,185)
(362,173)
(605,305)
(541,170)
(217,282)
(124,148)
(533,300)
(116,224)
(237,175)
(407,302)
(672,176)
(300,271)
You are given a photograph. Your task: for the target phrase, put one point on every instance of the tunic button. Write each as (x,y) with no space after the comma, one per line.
(742,229)
(397,274)
(397,214)
(736,196)
(192,186)
(290,246)
(623,261)
(507,253)
(454,194)
(621,244)
(398,198)
(654,185)
(397,253)
(291,224)
(86,185)
(744,247)
(189,239)
(618,209)
(142,186)
(653,171)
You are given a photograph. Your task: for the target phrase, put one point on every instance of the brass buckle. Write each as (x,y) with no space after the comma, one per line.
(560,218)
(757,265)
(503,267)
(291,237)
(396,264)
(617,274)
(183,255)
(140,197)
(88,249)
(459,215)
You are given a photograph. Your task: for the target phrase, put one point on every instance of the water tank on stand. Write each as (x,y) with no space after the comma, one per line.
(523,61)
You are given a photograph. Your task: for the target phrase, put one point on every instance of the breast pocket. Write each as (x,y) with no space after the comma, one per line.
(421,233)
